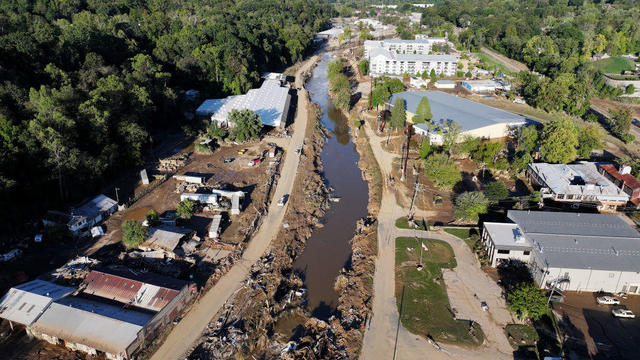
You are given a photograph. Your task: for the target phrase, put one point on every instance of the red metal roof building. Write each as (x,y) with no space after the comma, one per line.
(623,180)
(143,290)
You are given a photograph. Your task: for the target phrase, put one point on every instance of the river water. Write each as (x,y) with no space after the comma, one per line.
(328,249)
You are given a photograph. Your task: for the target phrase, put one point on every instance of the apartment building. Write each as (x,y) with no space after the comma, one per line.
(421,46)
(383,61)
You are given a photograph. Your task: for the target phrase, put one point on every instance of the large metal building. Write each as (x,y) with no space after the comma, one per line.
(114,312)
(475,119)
(577,251)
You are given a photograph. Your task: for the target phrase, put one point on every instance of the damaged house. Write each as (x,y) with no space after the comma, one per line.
(84,216)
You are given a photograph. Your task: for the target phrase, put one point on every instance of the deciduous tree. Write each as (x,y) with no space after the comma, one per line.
(558,141)
(527,301)
(133,234)
(246,124)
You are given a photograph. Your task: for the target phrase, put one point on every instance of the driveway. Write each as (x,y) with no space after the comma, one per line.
(385,337)
(185,334)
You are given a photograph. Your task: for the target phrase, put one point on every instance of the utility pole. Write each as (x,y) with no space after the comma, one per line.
(117,197)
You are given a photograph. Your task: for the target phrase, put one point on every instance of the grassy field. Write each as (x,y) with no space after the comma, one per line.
(491,63)
(403,223)
(614,64)
(421,295)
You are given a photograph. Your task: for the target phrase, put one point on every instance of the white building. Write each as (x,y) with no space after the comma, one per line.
(572,251)
(445,84)
(382,61)
(485,85)
(417,47)
(270,101)
(505,242)
(422,5)
(84,216)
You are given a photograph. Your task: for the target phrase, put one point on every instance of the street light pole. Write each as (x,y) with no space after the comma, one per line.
(117,197)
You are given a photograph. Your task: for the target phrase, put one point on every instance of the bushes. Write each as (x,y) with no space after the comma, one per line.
(469,205)
(203,149)
(442,171)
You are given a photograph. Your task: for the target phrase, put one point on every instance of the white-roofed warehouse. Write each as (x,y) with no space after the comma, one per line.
(271,101)
(23,304)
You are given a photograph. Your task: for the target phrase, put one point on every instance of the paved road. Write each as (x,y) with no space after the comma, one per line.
(183,337)
(604,111)
(510,64)
(380,341)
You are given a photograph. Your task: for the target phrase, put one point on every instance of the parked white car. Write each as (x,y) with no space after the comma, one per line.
(607,300)
(282,200)
(623,313)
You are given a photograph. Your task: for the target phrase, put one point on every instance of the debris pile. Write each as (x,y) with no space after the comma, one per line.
(174,163)
(73,272)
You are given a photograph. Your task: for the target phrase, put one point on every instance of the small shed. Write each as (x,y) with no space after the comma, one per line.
(190,179)
(214,228)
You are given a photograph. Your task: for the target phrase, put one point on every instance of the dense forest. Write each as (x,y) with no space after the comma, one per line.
(85,85)
(555,38)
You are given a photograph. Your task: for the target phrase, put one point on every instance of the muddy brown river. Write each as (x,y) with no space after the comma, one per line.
(328,250)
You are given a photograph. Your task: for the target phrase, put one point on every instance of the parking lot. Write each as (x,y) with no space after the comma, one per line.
(591,331)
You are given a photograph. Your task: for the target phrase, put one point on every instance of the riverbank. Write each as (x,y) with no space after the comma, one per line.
(355,282)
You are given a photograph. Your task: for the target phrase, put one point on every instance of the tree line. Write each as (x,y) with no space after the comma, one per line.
(86,87)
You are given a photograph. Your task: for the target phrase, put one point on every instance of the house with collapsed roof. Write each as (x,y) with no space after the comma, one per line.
(84,216)
(572,251)
(113,312)
(577,183)
(271,101)
(166,238)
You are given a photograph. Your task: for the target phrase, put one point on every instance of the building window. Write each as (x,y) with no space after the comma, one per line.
(612,275)
(503,251)
(526,252)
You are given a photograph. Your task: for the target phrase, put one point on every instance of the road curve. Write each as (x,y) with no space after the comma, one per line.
(385,338)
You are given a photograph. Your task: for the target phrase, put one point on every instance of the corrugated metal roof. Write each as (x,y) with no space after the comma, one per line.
(24,303)
(469,114)
(98,325)
(580,241)
(95,206)
(153,294)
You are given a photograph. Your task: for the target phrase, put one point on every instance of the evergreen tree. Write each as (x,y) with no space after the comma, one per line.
(423,112)
(398,114)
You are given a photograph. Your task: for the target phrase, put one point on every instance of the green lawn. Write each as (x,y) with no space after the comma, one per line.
(491,63)
(520,334)
(614,64)
(422,297)
(463,234)
(403,223)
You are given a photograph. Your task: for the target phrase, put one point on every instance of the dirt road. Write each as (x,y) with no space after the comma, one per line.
(381,341)
(188,331)
(511,64)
